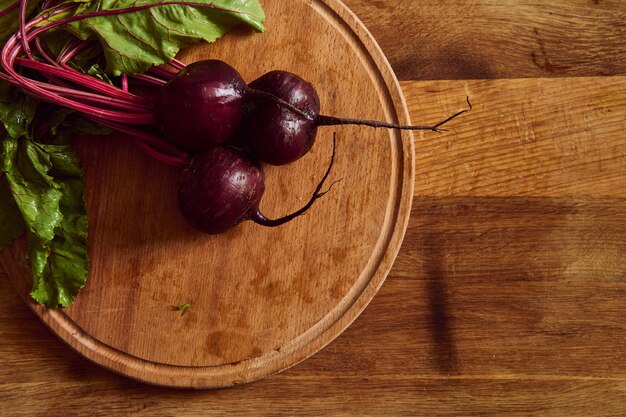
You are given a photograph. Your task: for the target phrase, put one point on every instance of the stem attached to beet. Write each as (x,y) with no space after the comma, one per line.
(9,56)
(259,218)
(163,73)
(71,51)
(81,79)
(10,8)
(322,120)
(179,65)
(153,145)
(25,46)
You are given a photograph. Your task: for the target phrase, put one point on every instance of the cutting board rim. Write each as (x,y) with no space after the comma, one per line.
(327,329)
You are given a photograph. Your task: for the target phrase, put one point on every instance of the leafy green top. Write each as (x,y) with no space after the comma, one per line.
(41,184)
(133,42)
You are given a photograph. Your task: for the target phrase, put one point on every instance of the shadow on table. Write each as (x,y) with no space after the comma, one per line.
(444,352)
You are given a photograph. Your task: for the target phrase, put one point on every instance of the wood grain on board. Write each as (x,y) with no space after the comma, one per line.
(507,296)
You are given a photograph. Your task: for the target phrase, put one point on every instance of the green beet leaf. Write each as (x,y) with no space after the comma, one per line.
(133,42)
(36,193)
(65,272)
(10,21)
(46,182)
(56,40)
(41,193)
(11,224)
(16,111)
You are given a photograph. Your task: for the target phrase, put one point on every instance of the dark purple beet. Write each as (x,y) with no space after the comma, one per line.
(219,189)
(223,186)
(282,117)
(202,106)
(273,133)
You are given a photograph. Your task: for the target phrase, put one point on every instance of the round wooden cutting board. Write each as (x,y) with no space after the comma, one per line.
(262,299)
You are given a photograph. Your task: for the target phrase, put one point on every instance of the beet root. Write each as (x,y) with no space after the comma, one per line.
(201,107)
(219,189)
(272,132)
(223,187)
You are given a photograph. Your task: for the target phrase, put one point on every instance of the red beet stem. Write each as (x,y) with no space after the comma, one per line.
(179,65)
(163,73)
(42,51)
(81,79)
(25,45)
(11,51)
(116,107)
(259,218)
(322,120)
(10,54)
(71,51)
(148,79)
(10,8)
(153,145)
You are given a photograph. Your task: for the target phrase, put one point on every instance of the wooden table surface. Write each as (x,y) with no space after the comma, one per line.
(508,295)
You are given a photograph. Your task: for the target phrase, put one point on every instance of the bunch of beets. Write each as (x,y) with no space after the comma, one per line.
(228,126)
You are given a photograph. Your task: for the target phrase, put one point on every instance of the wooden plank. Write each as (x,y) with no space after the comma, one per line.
(460,39)
(56,381)
(550,137)
(506,287)
(338,396)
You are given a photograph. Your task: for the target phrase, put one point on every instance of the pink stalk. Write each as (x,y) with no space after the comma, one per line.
(75,76)
(37,31)
(10,8)
(78,78)
(12,49)
(63,88)
(25,45)
(120,106)
(163,73)
(112,103)
(168,153)
(12,45)
(159,156)
(149,79)
(179,65)
(125,82)
(69,46)
(29,85)
(42,51)
(148,138)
